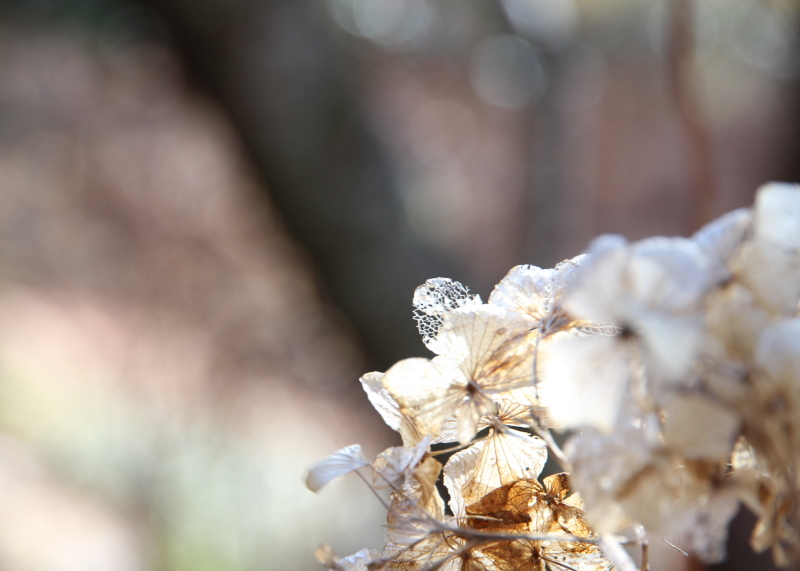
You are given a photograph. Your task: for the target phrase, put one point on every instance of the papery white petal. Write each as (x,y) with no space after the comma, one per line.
(734,322)
(721,239)
(778,353)
(341,462)
(602,464)
(671,344)
(699,428)
(703,529)
(621,281)
(584,382)
(770,261)
(776,215)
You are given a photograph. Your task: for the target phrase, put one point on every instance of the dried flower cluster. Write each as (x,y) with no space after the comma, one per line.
(672,363)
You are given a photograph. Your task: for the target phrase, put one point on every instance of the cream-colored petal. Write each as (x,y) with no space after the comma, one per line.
(489,344)
(525,289)
(386,405)
(425,391)
(698,428)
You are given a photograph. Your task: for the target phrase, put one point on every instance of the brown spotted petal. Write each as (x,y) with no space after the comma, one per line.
(507,509)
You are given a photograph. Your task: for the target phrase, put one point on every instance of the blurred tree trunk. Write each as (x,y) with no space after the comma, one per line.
(289,89)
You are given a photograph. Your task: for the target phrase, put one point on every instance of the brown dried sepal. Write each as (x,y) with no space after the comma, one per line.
(528,506)
(506,509)
(565,507)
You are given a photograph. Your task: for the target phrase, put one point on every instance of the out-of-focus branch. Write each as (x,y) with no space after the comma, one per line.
(703,184)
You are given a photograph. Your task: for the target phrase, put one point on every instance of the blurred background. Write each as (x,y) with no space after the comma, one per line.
(213,215)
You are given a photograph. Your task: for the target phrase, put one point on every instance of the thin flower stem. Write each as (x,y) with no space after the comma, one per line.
(616,554)
(374,492)
(676,548)
(382,477)
(483,535)
(536,366)
(546,435)
(645,555)
(455,448)
(438,565)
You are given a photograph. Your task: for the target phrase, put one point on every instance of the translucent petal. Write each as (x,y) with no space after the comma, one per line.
(410,520)
(433,300)
(469,413)
(341,462)
(426,391)
(389,409)
(393,465)
(699,428)
(491,346)
(526,290)
(501,458)
(507,509)
(704,526)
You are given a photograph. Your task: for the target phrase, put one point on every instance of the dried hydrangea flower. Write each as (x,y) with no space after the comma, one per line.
(482,352)
(678,360)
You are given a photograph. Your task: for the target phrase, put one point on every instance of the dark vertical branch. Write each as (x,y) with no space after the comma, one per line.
(703,184)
